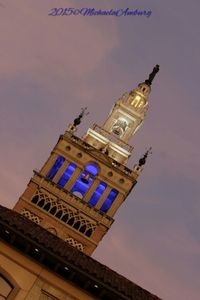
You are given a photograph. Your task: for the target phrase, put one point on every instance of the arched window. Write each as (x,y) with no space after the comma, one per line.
(57,165)
(35,199)
(97,193)
(66,175)
(92,169)
(109,201)
(85,180)
(47,206)
(5,288)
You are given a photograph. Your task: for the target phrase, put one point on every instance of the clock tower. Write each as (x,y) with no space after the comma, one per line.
(78,190)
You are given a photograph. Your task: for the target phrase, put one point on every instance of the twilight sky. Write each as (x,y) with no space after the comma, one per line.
(52,66)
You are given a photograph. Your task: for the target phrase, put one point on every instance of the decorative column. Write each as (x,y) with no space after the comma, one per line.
(91,190)
(103,197)
(60,171)
(116,204)
(69,185)
(49,164)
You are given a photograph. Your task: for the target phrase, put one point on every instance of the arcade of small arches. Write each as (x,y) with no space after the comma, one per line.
(36,219)
(63,213)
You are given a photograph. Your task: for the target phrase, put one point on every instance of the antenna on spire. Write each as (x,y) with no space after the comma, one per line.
(152,75)
(142,160)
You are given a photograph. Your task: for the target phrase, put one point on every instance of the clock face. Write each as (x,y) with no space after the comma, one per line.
(119,127)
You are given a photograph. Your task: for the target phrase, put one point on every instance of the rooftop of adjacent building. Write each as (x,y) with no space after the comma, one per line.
(66,261)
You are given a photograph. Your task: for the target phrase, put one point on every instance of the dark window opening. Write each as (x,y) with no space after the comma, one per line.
(47,206)
(77,225)
(35,199)
(89,232)
(41,203)
(71,221)
(59,214)
(83,229)
(65,218)
(53,210)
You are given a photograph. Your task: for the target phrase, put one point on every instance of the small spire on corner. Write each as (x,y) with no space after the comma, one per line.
(83,113)
(77,121)
(142,160)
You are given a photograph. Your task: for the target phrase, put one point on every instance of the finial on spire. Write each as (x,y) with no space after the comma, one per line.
(73,127)
(83,113)
(142,160)
(152,75)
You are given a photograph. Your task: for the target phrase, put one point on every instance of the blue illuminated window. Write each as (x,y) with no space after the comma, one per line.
(58,163)
(66,175)
(109,200)
(81,187)
(85,180)
(97,193)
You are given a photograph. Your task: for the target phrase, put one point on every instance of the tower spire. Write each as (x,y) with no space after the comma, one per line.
(126,117)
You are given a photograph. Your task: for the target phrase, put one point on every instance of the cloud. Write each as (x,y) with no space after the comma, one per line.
(50,67)
(38,43)
(146,265)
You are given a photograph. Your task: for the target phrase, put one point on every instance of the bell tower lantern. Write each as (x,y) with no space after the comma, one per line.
(124,120)
(78,190)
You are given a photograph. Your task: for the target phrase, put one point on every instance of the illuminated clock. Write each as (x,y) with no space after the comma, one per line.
(119,127)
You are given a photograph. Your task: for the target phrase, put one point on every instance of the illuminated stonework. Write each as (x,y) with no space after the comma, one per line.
(30,216)
(75,243)
(125,118)
(61,211)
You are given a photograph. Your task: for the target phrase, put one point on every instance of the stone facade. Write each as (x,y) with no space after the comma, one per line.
(34,282)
